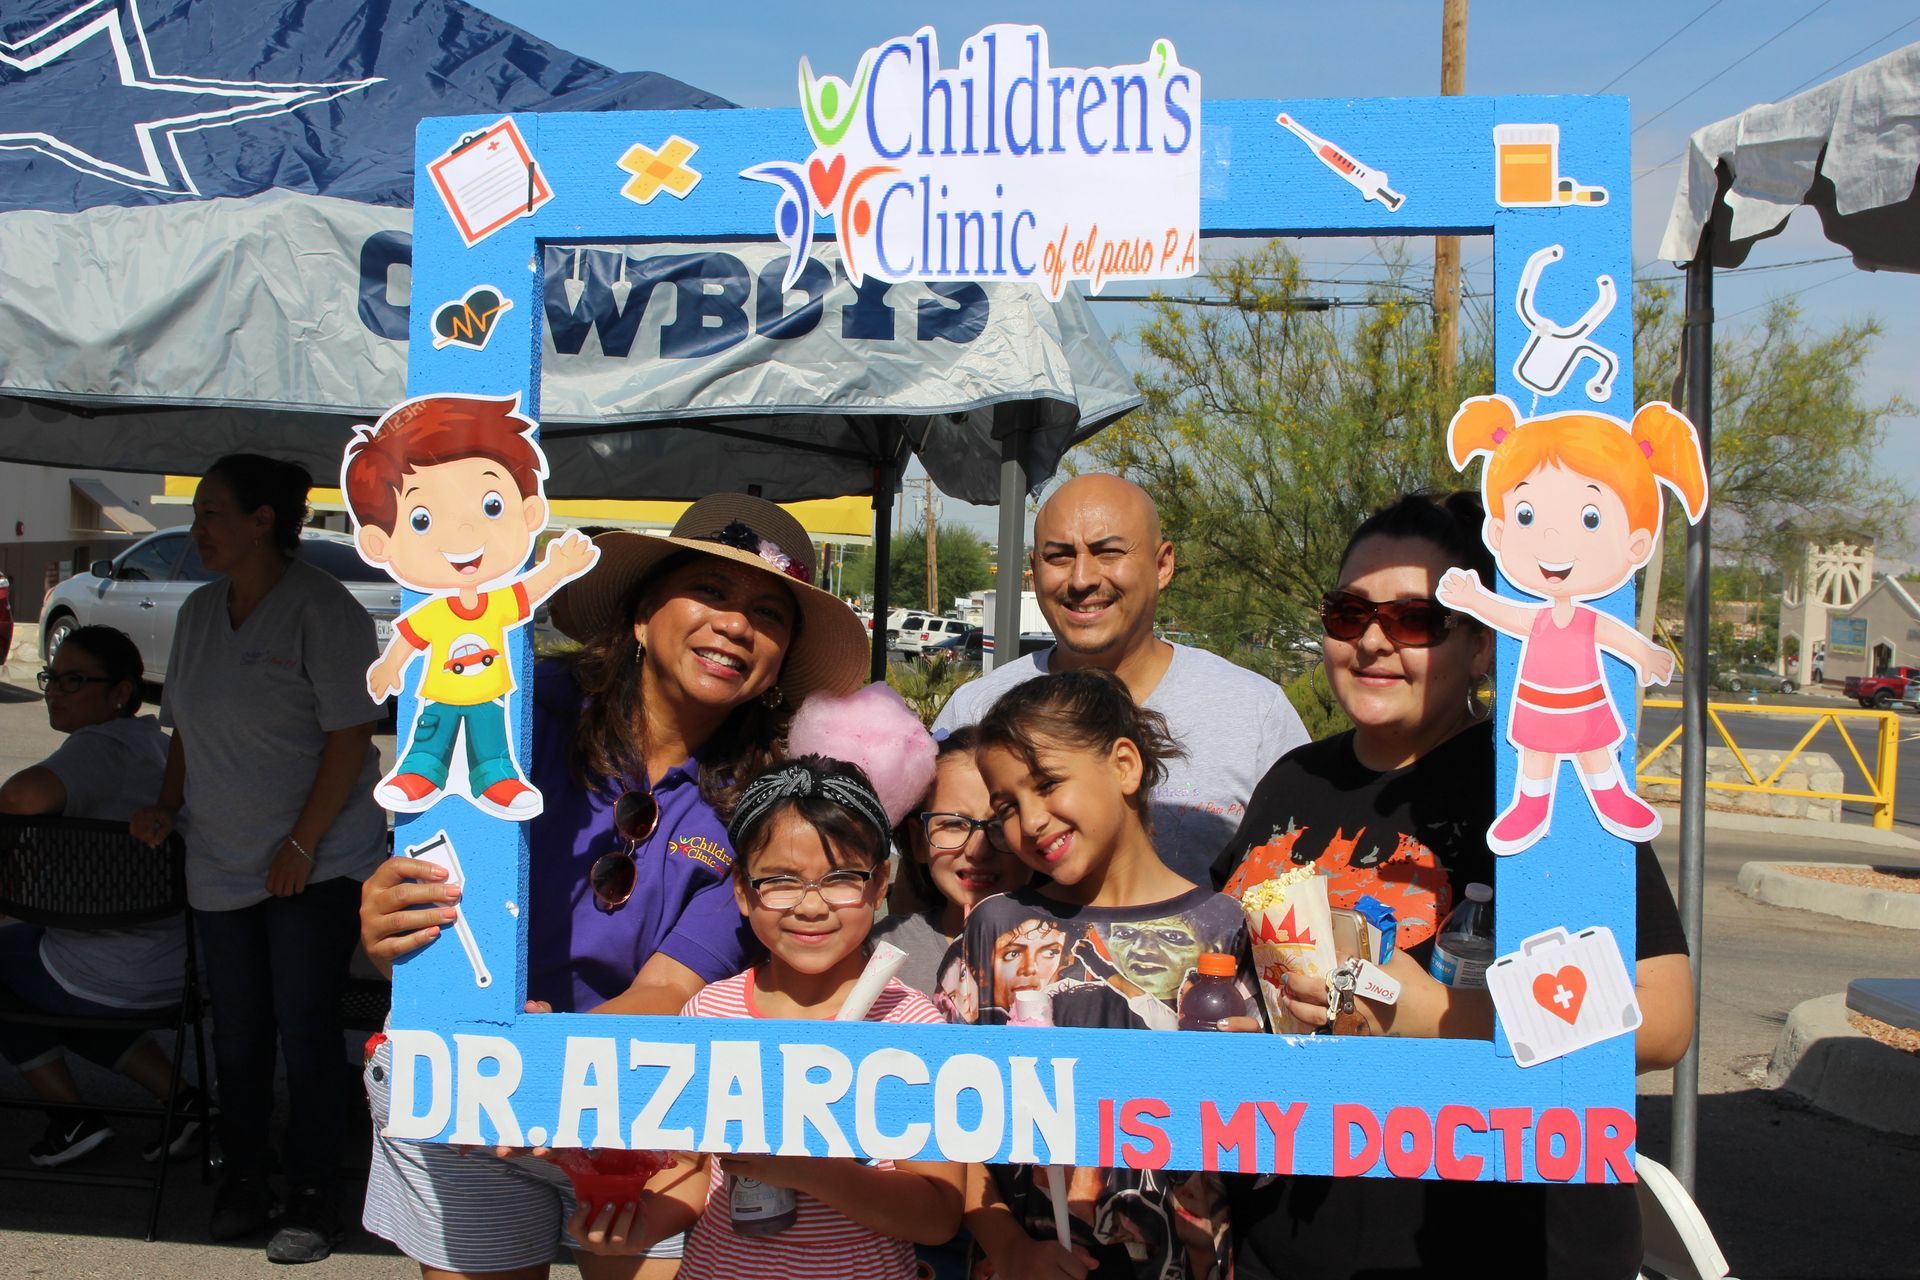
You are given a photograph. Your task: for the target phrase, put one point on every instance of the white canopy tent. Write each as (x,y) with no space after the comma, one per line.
(1849,149)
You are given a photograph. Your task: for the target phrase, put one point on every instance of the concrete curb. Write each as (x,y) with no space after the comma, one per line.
(1798,828)
(1769,882)
(1821,1058)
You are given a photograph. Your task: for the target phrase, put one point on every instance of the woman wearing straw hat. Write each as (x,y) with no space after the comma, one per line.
(695,649)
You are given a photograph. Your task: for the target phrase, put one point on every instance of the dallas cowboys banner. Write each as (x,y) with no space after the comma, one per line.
(205,229)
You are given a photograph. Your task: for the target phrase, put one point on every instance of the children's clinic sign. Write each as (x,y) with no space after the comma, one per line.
(996,163)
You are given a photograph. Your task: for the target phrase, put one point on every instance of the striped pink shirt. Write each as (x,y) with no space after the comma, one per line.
(822,1243)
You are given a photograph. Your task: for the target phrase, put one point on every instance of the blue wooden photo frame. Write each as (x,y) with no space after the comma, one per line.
(469,1067)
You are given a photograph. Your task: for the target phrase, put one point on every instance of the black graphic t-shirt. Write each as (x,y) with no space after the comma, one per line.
(1107,967)
(1415,838)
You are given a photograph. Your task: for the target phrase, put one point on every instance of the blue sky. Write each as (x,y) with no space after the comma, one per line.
(1736,53)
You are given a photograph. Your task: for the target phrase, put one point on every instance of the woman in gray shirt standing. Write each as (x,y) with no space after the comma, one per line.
(271,777)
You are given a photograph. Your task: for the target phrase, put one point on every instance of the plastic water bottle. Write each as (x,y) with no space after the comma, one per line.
(1464,947)
(1213,995)
(758,1209)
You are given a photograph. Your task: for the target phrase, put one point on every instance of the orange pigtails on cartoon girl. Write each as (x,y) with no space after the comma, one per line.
(1574,508)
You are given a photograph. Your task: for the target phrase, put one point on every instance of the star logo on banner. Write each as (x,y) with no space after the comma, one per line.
(653,170)
(118,23)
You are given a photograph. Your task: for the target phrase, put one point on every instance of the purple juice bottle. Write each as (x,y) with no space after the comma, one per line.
(1214,995)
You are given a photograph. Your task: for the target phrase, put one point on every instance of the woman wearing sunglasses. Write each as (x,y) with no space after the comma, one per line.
(694,650)
(111,762)
(1398,807)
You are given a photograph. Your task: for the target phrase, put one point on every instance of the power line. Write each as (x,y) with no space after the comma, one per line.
(1657,48)
(1731,65)
(1783,297)
(1850,57)
(1812,79)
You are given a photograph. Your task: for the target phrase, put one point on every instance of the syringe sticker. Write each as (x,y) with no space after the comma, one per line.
(1371,183)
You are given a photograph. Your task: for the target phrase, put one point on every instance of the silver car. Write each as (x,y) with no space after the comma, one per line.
(140,591)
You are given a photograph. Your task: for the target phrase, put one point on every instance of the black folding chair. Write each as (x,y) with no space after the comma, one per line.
(76,873)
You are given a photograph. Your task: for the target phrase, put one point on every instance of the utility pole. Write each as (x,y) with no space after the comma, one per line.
(933,557)
(1446,249)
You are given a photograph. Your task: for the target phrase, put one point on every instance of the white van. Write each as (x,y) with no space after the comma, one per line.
(914,638)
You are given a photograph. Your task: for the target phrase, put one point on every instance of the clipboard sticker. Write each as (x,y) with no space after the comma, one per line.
(489,179)
(1557,994)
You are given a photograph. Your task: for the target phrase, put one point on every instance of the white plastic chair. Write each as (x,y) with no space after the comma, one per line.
(1678,1242)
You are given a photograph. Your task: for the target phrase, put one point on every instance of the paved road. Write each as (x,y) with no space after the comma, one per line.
(1789,1192)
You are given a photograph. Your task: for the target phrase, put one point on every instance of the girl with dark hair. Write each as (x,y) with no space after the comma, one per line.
(810,872)
(112,758)
(1408,793)
(947,865)
(270,778)
(1111,939)
(695,648)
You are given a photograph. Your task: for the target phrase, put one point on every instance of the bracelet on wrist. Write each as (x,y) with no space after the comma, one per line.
(300,849)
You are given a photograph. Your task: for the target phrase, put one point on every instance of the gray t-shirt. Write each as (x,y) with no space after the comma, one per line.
(1233,724)
(253,706)
(110,770)
(925,946)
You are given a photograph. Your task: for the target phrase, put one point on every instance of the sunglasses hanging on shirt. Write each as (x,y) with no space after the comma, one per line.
(636,815)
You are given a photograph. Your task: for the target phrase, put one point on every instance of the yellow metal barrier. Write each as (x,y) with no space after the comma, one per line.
(1880,775)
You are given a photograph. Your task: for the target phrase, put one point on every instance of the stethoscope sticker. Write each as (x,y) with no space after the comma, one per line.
(1554,350)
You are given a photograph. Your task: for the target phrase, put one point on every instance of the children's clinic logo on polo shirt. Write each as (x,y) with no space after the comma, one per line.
(699,848)
(1003,168)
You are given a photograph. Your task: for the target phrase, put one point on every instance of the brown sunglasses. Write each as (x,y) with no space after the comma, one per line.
(636,816)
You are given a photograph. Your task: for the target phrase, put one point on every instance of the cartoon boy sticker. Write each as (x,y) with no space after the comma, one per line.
(445,494)
(1574,508)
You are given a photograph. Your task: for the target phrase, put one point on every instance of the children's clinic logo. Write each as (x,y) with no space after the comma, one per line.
(1003,168)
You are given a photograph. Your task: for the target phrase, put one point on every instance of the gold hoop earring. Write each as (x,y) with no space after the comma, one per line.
(1480,697)
(1324,691)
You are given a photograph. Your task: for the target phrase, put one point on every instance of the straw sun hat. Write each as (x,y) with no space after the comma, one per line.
(829,650)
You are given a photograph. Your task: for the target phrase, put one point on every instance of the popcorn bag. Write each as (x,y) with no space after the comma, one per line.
(1291,925)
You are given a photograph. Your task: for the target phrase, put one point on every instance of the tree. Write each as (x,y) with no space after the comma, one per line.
(1794,440)
(965,567)
(1271,429)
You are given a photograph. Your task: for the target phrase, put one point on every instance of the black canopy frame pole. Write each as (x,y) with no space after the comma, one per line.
(1008,575)
(886,478)
(1693,712)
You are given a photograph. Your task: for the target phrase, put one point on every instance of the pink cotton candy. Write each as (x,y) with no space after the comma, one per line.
(875,729)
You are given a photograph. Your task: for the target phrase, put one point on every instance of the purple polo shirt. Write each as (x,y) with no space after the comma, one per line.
(682,904)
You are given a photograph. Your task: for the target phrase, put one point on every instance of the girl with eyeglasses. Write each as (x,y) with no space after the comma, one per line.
(953,859)
(811,872)
(1398,808)
(694,649)
(113,758)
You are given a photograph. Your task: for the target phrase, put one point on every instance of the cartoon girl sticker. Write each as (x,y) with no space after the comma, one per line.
(1573,511)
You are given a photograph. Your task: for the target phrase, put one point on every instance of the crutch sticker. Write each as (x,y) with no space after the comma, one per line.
(1558,994)
(1369,182)
(439,851)
(1554,350)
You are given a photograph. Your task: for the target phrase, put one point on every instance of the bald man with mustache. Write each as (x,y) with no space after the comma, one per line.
(1099,566)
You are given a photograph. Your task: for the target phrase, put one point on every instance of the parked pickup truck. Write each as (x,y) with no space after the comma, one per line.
(1885,687)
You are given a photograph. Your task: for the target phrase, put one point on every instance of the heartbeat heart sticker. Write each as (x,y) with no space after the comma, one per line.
(468,321)
(1557,994)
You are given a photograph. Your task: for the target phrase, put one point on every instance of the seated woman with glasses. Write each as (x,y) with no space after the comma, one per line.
(953,859)
(694,648)
(111,761)
(1404,799)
